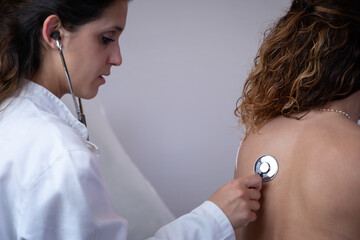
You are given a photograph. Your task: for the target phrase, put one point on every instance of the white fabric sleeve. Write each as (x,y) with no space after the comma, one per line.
(206,222)
(69,201)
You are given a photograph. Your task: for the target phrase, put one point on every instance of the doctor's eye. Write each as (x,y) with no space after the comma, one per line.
(107,40)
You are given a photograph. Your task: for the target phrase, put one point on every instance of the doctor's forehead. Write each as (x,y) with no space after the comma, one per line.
(112,20)
(114,16)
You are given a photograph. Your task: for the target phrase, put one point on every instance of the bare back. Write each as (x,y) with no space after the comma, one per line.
(316,193)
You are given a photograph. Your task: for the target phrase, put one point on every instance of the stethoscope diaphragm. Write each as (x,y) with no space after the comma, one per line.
(266,167)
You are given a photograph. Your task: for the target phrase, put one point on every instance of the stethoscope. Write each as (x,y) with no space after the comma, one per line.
(78,106)
(266,167)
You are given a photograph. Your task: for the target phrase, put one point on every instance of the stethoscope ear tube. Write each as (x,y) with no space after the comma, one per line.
(82,115)
(266,167)
(78,107)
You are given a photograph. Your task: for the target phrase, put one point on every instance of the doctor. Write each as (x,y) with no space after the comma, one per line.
(50,185)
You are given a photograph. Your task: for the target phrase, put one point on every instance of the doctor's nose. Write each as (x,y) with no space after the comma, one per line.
(115,57)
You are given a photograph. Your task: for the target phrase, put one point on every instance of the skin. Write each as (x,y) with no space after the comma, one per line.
(90,52)
(315,194)
(239,200)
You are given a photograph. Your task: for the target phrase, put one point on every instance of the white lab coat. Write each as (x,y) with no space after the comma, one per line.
(51,187)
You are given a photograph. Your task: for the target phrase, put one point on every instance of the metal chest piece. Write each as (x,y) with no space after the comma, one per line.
(266,167)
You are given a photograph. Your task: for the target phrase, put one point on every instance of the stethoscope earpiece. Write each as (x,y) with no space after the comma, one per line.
(266,167)
(55,35)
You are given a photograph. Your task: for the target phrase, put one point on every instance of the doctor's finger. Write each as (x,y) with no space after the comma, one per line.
(253,181)
(254,206)
(253,194)
(251,217)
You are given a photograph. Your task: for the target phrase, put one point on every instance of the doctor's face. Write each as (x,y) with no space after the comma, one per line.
(93,49)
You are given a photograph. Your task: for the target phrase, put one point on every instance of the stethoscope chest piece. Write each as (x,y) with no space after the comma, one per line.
(266,167)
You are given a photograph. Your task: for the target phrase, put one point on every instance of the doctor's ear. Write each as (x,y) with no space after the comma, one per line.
(50,31)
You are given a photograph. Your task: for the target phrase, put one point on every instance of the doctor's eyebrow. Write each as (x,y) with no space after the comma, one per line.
(117,28)
(114,28)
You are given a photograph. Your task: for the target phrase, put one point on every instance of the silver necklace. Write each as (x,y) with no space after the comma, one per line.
(335,110)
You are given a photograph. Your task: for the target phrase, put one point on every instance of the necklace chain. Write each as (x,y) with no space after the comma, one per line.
(335,110)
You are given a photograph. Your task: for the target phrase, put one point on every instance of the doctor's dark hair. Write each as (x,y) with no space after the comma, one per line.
(20,31)
(309,58)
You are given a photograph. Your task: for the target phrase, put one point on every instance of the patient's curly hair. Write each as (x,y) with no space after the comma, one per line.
(309,58)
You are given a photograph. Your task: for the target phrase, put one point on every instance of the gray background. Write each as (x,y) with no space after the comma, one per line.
(171,102)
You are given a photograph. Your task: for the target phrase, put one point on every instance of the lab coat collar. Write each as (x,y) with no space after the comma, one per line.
(48,102)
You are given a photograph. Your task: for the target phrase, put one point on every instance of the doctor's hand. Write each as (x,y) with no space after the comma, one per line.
(239,199)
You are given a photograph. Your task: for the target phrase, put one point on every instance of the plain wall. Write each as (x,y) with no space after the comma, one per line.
(171,102)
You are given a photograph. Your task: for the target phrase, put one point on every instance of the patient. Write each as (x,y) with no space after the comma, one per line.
(301,104)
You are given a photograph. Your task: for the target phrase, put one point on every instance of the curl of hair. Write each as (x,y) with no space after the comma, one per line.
(305,61)
(20,33)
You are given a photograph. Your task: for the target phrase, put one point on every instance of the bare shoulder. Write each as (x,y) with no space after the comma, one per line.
(308,138)
(273,138)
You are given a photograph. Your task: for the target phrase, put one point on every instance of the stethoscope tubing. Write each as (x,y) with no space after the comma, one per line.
(78,106)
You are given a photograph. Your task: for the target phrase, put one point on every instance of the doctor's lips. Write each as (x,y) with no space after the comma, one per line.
(102,78)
